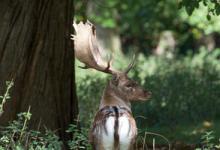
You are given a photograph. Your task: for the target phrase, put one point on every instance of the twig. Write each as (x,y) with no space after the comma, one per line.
(6,95)
(151,133)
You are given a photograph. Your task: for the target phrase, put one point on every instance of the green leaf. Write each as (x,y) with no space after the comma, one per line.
(208,17)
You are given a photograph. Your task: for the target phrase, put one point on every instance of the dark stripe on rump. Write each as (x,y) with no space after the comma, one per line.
(116,136)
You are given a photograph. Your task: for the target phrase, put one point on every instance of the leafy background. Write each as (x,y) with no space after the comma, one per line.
(185,87)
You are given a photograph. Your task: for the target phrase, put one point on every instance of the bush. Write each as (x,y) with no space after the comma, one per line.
(18,136)
(207,142)
(184,89)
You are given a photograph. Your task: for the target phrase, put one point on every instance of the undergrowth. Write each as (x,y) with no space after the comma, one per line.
(209,142)
(18,136)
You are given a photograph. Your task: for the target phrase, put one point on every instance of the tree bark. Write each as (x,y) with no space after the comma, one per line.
(36,51)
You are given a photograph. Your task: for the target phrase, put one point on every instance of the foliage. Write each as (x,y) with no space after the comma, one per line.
(89,92)
(200,23)
(80,138)
(141,23)
(183,90)
(207,141)
(17,136)
(212,5)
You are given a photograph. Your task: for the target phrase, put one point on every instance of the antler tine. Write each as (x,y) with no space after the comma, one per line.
(130,65)
(87,49)
(108,68)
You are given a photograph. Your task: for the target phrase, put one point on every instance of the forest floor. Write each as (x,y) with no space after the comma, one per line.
(185,136)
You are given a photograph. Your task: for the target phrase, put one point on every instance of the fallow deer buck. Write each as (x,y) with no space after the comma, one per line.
(114,127)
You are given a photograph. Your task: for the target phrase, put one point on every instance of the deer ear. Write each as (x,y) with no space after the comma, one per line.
(115,80)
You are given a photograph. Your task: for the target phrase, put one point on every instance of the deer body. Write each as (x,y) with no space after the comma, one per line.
(114,127)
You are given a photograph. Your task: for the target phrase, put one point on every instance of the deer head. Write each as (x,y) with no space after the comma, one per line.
(121,87)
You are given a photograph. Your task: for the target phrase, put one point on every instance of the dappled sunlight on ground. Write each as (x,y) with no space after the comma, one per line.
(201,128)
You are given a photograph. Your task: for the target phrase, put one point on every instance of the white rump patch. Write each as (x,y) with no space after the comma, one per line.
(124,132)
(108,139)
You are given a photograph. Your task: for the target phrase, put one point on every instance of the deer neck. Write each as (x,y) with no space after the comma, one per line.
(111,97)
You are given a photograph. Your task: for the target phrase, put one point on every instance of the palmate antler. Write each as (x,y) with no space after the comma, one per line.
(87,49)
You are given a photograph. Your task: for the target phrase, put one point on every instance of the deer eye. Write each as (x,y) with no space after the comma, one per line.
(129,85)
(115,80)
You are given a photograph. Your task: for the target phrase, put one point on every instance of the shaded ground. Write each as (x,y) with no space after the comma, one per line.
(175,146)
(181,137)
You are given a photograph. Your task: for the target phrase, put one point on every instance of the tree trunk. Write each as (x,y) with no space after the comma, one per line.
(36,51)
